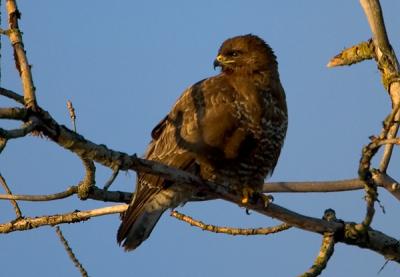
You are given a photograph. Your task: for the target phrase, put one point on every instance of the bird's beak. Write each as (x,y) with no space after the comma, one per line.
(218,61)
(222,61)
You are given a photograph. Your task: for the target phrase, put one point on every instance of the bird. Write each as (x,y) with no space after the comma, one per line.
(228,129)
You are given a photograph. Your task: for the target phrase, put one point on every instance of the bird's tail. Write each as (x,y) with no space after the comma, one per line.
(140,218)
(139,231)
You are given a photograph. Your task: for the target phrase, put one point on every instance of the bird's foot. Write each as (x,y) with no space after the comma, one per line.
(249,195)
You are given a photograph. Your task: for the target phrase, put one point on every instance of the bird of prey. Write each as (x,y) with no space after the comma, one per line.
(228,129)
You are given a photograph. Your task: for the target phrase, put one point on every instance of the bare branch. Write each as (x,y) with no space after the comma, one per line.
(373,11)
(27,223)
(13,113)
(355,54)
(88,182)
(230,230)
(326,249)
(388,183)
(3,143)
(110,196)
(13,202)
(390,129)
(72,114)
(12,95)
(112,179)
(95,194)
(21,61)
(313,186)
(20,132)
(70,252)
(323,257)
(47,197)
(387,64)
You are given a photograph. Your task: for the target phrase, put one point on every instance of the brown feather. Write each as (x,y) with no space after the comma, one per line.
(230,126)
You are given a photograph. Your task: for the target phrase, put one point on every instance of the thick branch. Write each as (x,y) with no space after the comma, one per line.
(387,64)
(12,95)
(114,159)
(13,113)
(21,61)
(355,54)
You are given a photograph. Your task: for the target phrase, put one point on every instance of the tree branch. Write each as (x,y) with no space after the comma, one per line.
(27,127)
(230,230)
(12,95)
(13,113)
(387,64)
(27,223)
(21,61)
(13,202)
(70,253)
(354,54)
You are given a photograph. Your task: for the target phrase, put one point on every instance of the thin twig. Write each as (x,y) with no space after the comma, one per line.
(28,223)
(112,179)
(13,202)
(72,114)
(70,253)
(230,230)
(95,194)
(390,130)
(46,197)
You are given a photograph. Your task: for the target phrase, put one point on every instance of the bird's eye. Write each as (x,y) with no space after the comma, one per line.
(233,53)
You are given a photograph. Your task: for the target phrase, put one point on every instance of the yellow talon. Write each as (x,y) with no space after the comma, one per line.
(266,199)
(247,192)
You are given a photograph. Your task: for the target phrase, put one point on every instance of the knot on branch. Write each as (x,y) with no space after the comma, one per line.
(15,35)
(85,187)
(355,232)
(388,68)
(329,215)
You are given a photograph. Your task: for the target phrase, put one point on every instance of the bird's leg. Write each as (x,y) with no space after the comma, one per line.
(249,195)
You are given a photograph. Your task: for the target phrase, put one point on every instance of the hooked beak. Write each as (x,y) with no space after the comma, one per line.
(221,61)
(218,61)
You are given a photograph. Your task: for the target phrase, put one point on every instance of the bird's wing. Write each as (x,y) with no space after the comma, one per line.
(202,123)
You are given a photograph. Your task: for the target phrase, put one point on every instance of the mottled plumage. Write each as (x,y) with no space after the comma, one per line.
(228,128)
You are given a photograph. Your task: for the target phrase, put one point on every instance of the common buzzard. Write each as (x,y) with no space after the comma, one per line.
(228,128)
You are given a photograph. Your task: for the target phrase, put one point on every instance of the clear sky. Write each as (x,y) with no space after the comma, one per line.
(124,63)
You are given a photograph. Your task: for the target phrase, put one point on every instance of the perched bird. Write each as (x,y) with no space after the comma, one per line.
(228,128)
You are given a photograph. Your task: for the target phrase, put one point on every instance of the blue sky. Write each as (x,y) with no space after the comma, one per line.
(123,64)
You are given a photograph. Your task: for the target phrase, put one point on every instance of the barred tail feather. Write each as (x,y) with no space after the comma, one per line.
(139,231)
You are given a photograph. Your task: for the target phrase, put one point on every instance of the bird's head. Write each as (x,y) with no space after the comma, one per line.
(247,53)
